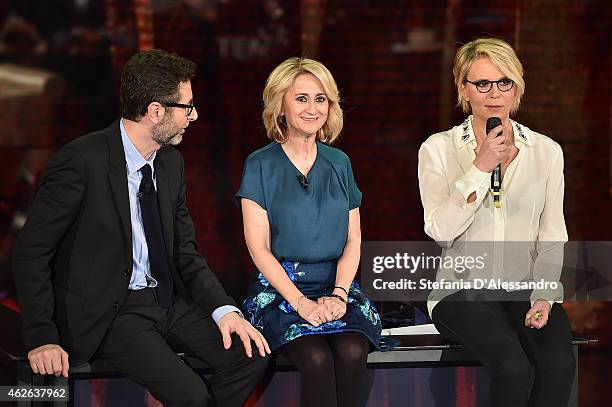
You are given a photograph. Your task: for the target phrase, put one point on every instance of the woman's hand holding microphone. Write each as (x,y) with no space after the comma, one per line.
(492,151)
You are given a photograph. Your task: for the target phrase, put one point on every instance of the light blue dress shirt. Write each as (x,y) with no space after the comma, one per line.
(141,273)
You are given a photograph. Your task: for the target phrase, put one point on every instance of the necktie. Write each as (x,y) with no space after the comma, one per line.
(151,221)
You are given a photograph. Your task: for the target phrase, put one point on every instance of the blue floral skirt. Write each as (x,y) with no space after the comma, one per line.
(269,312)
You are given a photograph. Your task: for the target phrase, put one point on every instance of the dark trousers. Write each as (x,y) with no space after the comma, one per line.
(495,332)
(144,338)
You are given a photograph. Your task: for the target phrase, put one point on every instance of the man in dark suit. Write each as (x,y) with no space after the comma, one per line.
(107,266)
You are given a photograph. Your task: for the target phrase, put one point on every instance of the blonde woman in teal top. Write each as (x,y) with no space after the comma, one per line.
(300,206)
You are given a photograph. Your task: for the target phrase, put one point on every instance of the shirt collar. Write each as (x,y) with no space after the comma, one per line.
(464,134)
(133,159)
(521,134)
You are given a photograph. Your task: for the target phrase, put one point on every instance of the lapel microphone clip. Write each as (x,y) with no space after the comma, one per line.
(303,180)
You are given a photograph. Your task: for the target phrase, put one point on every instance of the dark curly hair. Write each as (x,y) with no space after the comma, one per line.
(152,76)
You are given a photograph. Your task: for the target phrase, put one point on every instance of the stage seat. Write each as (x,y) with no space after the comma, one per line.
(421,346)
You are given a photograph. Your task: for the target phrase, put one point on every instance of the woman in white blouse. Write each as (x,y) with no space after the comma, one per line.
(513,333)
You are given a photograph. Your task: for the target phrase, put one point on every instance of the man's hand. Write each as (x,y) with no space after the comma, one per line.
(537,316)
(49,359)
(234,323)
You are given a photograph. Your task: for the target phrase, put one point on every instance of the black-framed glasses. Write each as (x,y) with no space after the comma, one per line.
(483,86)
(188,108)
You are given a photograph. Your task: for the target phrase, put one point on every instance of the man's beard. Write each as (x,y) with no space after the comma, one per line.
(166,133)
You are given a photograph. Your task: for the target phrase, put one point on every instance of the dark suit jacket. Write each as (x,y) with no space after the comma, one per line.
(73,259)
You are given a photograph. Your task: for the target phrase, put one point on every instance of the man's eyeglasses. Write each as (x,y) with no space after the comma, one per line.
(188,108)
(483,86)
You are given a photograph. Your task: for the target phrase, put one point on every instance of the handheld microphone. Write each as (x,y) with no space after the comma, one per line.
(303,181)
(493,122)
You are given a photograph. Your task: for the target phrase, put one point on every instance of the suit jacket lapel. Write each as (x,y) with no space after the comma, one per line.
(165,208)
(117,177)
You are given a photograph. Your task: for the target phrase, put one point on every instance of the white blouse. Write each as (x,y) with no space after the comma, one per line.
(530,221)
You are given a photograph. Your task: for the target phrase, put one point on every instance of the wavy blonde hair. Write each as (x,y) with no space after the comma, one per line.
(281,79)
(503,57)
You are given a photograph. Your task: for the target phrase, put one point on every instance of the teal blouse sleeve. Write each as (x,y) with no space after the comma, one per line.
(252,186)
(354,192)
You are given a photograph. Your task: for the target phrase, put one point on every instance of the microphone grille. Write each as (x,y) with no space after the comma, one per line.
(493,122)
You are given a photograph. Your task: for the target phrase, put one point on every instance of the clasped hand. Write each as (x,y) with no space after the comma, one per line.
(325,309)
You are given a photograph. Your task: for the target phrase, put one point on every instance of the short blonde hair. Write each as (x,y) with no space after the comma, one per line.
(281,79)
(503,57)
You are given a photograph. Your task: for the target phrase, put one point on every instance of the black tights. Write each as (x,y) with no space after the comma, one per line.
(332,367)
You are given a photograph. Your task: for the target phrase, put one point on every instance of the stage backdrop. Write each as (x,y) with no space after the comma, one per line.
(60,63)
